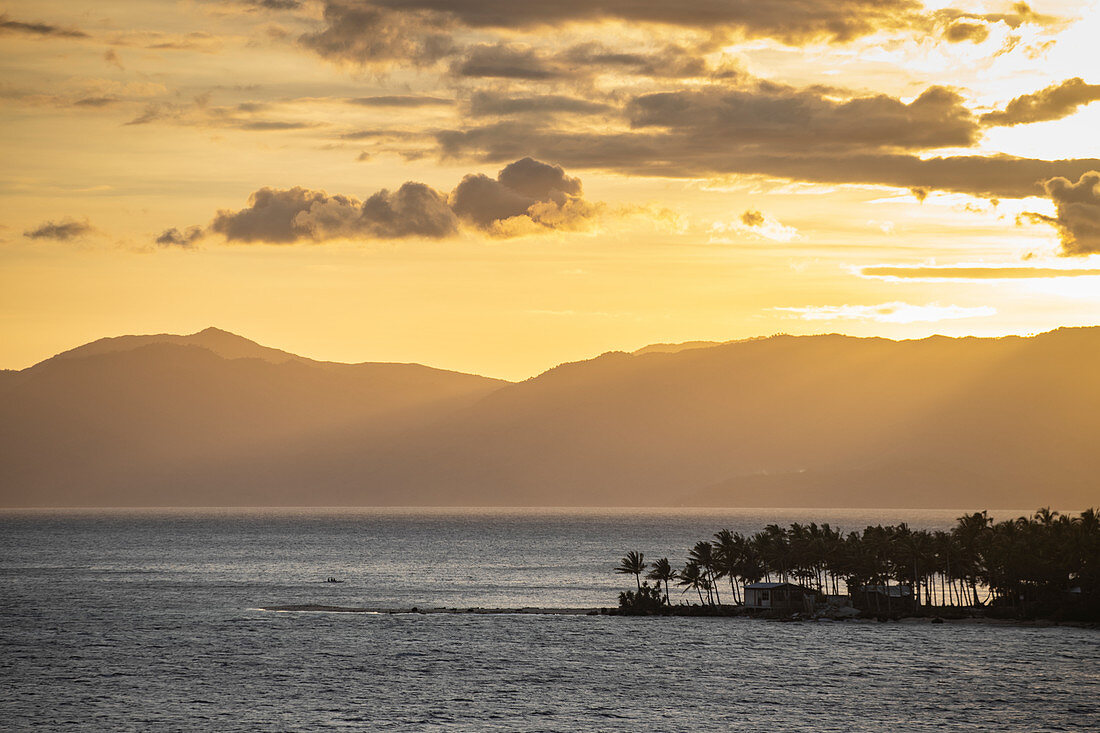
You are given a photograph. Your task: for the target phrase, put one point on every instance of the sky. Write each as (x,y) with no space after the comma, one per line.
(498,187)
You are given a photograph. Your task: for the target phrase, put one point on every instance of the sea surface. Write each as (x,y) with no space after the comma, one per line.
(151,620)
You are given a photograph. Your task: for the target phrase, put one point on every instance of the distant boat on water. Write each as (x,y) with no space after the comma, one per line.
(330,579)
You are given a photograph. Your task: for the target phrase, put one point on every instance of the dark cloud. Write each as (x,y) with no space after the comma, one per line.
(362,33)
(752,218)
(1052,103)
(966,31)
(526,196)
(62,231)
(681,154)
(95,101)
(272,4)
(175,238)
(509,61)
(528,190)
(972,273)
(401,101)
(787,20)
(520,62)
(7,25)
(265,125)
(771,114)
(672,61)
(485,104)
(421,32)
(111,57)
(809,134)
(538,180)
(414,210)
(1078,212)
(200,114)
(283,216)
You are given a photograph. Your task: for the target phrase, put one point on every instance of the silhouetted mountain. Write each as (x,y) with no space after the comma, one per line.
(99,424)
(783,421)
(224,344)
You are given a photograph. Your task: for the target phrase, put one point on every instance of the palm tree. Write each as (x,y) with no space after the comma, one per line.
(729,551)
(692,576)
(703,555)
(662,572)
(969,532)
(633,564)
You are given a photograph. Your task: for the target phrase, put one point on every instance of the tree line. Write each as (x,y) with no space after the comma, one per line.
(1031,565)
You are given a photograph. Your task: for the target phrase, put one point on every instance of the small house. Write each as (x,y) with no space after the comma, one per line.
(779,597)
(884,598)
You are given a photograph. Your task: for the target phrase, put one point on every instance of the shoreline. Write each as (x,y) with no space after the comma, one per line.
(607,611)
(525,610)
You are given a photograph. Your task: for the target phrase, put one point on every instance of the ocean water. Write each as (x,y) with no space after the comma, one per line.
(151,620)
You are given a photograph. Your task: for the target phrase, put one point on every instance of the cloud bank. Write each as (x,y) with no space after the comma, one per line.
(526,197)
(61,231)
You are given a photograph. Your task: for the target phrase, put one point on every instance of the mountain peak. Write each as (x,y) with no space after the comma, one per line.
(221,342)
(215,331)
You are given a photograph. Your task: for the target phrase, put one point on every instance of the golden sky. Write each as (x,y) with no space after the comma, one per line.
(497,186)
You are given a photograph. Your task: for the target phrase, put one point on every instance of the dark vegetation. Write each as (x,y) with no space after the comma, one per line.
(1043,566)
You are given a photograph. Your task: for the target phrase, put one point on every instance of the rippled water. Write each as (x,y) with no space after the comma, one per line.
(147,620)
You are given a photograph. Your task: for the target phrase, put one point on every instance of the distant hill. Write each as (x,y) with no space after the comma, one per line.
(828,421)
(131,420)
(224,344)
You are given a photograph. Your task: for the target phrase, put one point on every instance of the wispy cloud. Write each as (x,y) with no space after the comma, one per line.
(62,231)
(754,224)
(896,312)
(976,272)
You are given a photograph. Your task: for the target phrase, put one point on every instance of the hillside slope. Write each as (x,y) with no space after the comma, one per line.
(826,421)
(139,420)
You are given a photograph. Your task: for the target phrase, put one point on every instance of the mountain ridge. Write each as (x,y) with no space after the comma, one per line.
(833,419)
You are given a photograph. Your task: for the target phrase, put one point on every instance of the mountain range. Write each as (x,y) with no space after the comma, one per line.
(214,419)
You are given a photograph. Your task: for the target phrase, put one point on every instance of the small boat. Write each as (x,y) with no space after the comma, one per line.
(332,580)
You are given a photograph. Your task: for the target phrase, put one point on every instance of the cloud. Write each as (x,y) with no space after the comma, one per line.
(95,102)
(755,224)
(271,214)
(527,189)
(285,216)
(199,113)
(772,114)
(526,197)
(680,153)
(175,238)
(962,30)
(896,312)
(7,25)
(111,57)
(421,33)
(509,61)
(672,61)
(401,101)
(272,4)
(62,231)
(1078,212)
(1052,103)
(752,218)
(792,21)
(367,34)
(977,272)
(486,103)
